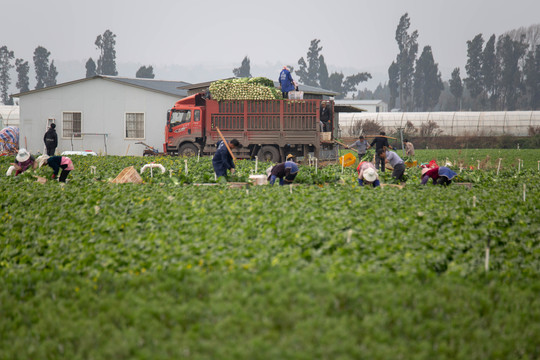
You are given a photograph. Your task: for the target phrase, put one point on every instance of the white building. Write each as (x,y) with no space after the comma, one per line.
(370,106)
(104,114)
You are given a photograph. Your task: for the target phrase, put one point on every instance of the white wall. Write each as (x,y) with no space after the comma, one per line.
(103,104)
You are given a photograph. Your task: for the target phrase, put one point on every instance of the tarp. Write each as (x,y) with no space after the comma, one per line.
(9,139)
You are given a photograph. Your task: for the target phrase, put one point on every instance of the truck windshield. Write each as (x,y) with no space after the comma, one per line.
(180,117)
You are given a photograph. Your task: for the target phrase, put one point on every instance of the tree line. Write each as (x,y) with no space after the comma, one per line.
(500,74)
(46,71)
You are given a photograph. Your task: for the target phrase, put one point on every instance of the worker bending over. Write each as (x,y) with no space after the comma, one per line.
(286,172)
(440,175)
(367,174)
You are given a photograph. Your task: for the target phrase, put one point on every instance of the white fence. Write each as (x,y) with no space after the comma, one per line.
(449,123)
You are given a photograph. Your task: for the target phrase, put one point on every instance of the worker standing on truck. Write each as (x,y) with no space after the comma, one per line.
(286,172)
(223,160)
(325,116)
(286,82)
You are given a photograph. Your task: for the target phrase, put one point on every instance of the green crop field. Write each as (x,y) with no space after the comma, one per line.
(324,269)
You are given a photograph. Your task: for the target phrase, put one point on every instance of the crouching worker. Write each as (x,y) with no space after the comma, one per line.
(286,172)
(395,161)
(23,161)
(223,160)
(57,163)
(440,175)
(367,174)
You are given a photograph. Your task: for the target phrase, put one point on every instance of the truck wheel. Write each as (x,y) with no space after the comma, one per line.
(187,150)
(269,153)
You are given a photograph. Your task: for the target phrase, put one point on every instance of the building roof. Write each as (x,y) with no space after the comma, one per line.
(359,102)
(161,86)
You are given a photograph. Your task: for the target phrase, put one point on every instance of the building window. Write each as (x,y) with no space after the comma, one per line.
(134,126)
(377,109)
(71,124)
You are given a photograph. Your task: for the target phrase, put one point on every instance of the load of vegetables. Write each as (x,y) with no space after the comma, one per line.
(257,88)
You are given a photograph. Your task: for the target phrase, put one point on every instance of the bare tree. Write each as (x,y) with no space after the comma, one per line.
(430,128)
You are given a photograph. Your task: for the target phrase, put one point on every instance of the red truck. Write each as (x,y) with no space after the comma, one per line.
(269,129)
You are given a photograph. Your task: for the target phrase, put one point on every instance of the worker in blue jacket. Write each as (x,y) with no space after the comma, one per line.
(286,82)
(222,160)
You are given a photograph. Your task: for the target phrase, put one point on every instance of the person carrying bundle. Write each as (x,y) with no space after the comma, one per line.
(361,146)
(440,175)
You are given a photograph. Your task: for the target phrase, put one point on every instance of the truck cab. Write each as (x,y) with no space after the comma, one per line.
(184,129)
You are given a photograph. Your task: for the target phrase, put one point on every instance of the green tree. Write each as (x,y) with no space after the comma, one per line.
(41,65)
(106,64)
(456,87)
(90,68)
(427,81)
(51,75)
(393,84)
(23,82)
(6,56)
(408,48)
(323,73)
(511,54)
(531,72)
(473,81)
(308,73)
(244,70)
(145,72)
(489,72)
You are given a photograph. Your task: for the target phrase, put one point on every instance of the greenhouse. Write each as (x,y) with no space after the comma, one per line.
(518,123)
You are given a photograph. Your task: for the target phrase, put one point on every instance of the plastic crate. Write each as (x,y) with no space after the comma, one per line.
(296,95)
(326,136)
(347,160)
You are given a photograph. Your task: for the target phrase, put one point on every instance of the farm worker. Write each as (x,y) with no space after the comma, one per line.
(380,142)
(325,117)
(409,148)
(361,146)
(367,174)
(23,160)
(51,140)
(440,175)
(57,163)
(290,157)
(286,172)
(222,160)
(286,82)
(395,161)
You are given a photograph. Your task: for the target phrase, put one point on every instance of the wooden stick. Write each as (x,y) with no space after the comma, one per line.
(227,145)
(128,149)
(342,144)
(388,137)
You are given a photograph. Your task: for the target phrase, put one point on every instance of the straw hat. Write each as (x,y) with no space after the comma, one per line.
(290,156)
(42,160)
(23,155)
(370,174)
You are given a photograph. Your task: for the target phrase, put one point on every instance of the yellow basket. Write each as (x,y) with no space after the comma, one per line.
(410,164)
(347,160)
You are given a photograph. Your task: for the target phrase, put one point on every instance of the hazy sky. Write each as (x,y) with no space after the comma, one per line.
(207,35)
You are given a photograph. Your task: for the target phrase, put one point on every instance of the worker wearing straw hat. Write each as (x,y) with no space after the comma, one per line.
(286,172)
(367,174)
(23,161)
